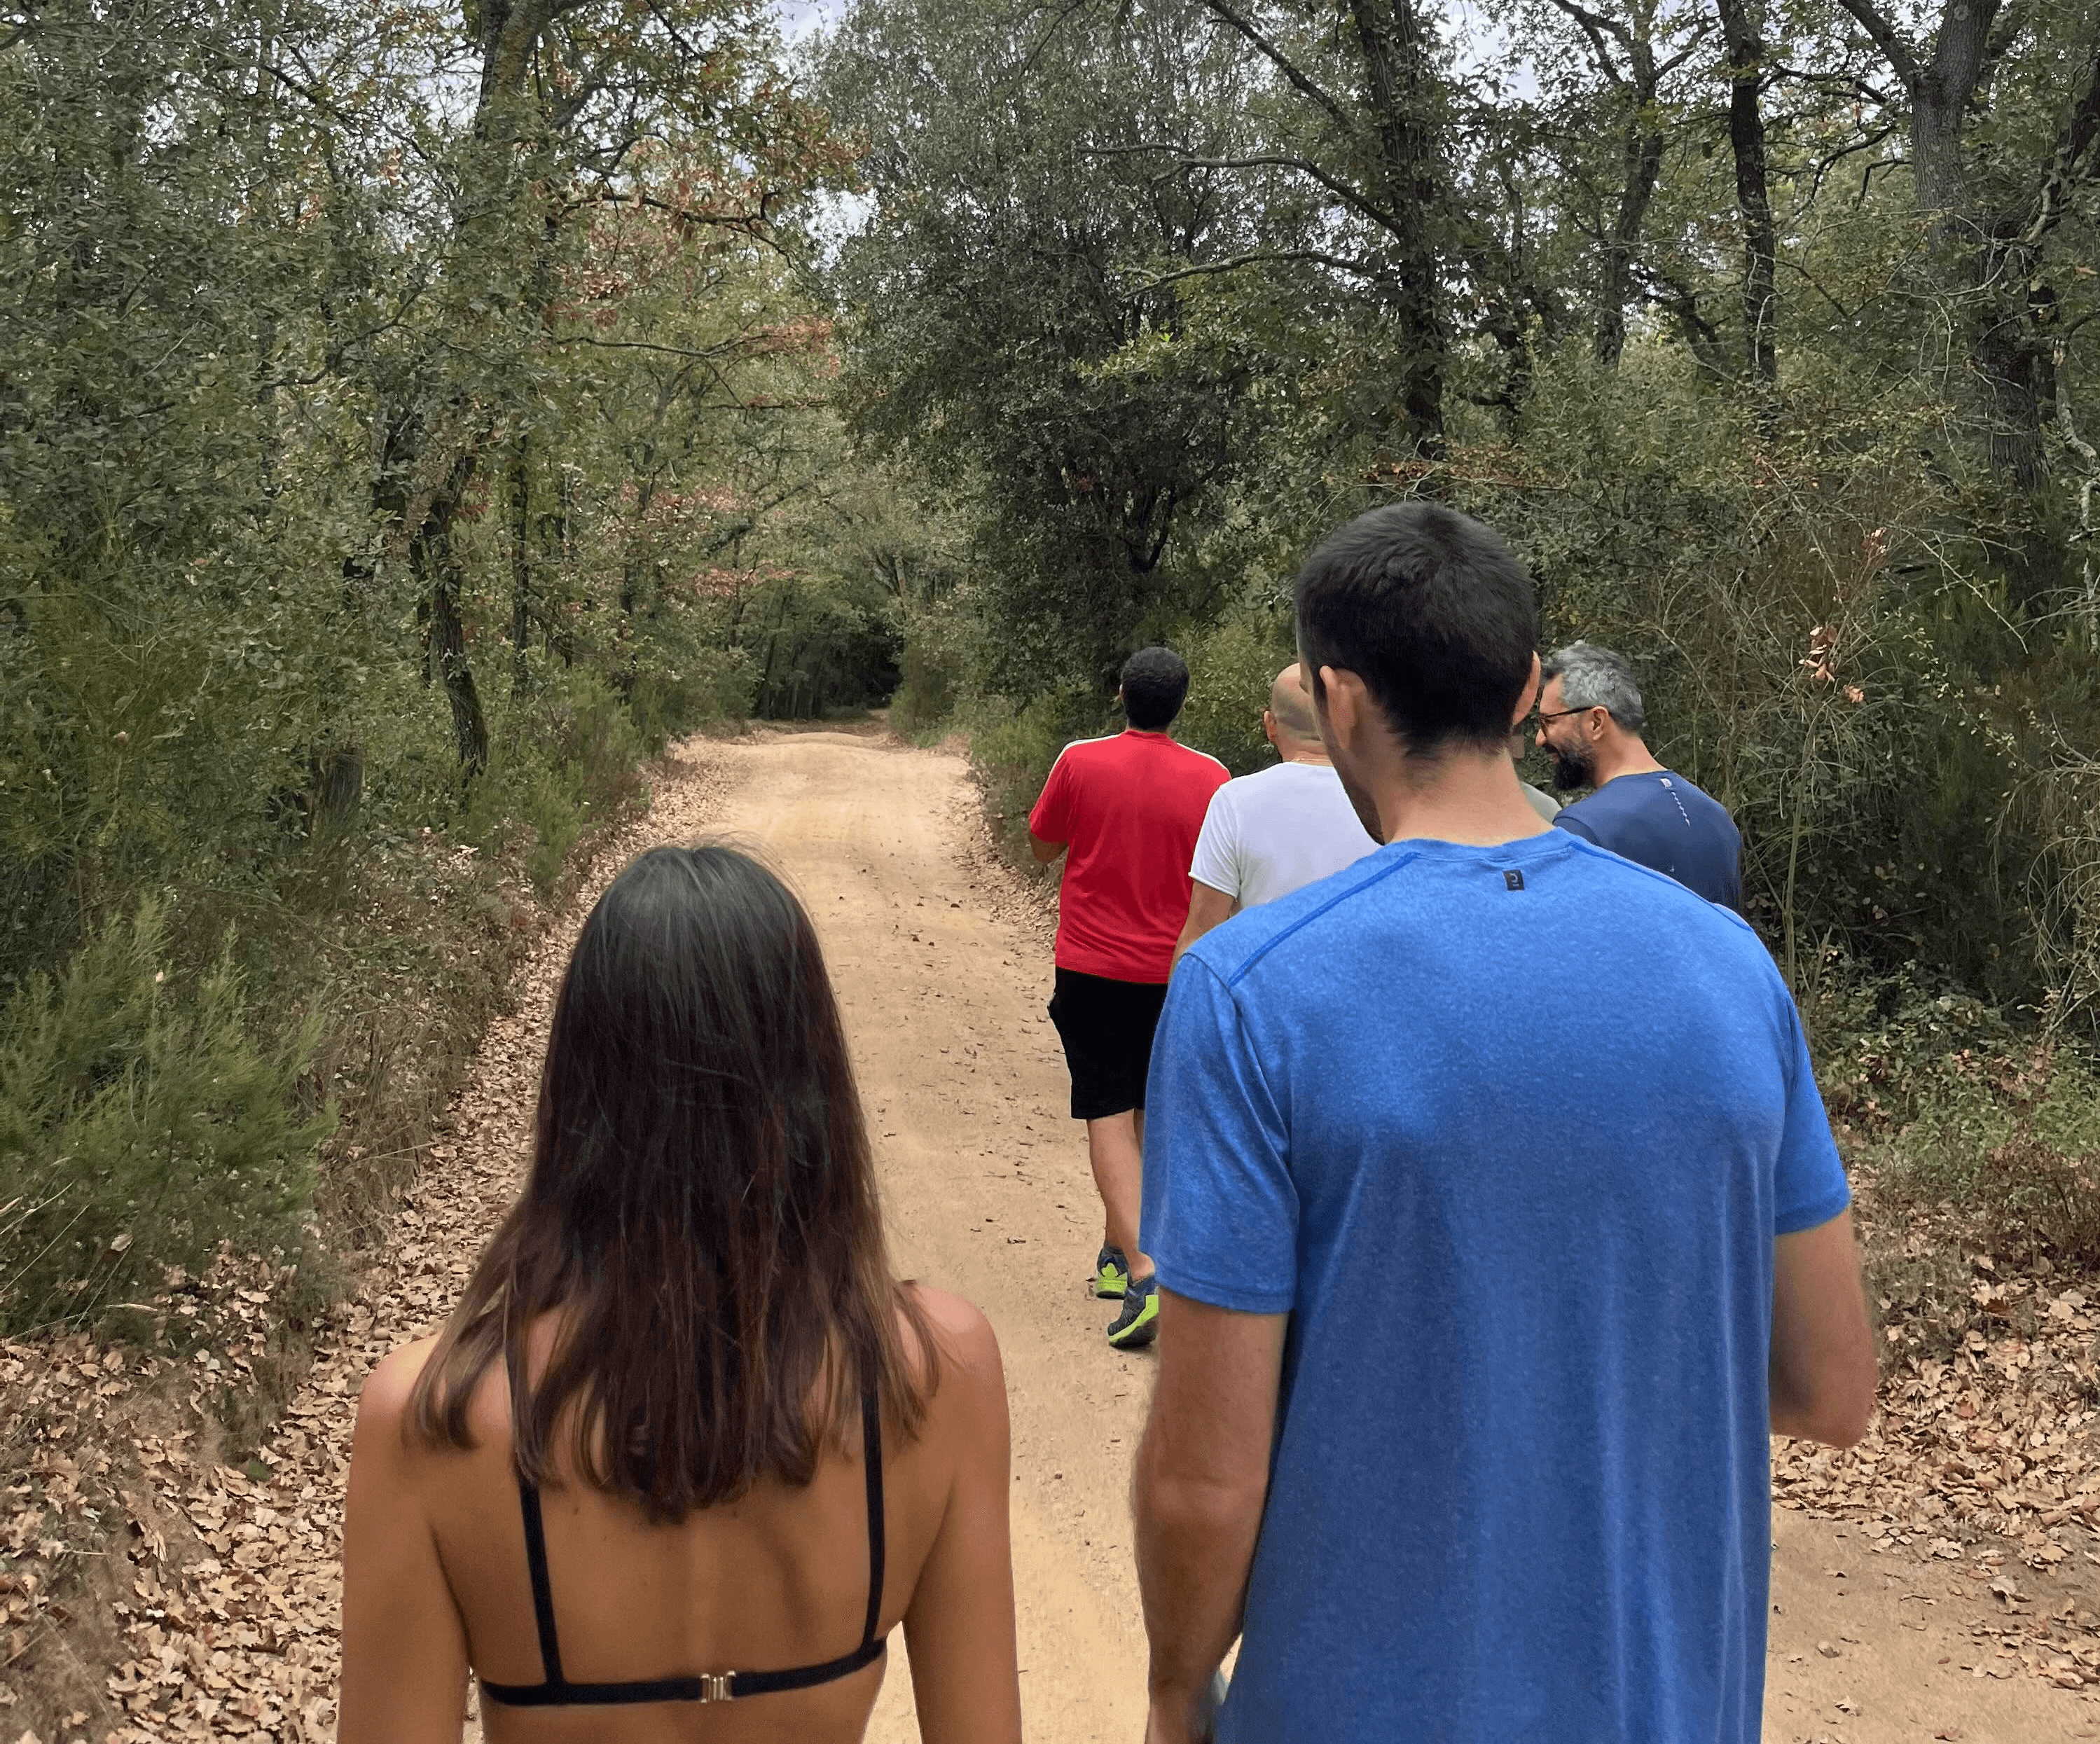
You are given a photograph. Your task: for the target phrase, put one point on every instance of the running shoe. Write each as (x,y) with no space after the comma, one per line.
(1139,1322)
(1111,1274)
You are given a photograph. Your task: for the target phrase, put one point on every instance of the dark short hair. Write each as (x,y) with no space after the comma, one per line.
(1433,611)
(1155,682)
(701,1208)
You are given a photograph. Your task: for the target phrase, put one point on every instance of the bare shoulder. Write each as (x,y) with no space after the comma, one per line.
(965,1339)
(383,1405)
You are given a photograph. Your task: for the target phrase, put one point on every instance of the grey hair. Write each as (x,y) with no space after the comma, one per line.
(1593,677)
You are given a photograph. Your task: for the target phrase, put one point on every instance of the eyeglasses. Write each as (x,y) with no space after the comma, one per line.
(1539,717)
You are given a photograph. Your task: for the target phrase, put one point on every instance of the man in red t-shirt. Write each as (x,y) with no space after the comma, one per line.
(1129,808)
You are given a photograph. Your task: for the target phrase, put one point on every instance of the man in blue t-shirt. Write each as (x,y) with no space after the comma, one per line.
(1468,1363)
(1590,719)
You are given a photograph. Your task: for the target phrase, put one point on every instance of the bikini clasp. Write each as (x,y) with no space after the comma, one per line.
(715,1686)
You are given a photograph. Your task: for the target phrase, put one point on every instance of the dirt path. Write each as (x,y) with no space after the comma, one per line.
(987,1194)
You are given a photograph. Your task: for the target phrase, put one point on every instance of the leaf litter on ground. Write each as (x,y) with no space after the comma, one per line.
(223,1582)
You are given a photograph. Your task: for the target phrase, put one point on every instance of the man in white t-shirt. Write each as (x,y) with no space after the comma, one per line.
(1268,833)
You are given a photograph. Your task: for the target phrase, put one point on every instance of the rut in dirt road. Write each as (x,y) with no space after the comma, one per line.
(943,982)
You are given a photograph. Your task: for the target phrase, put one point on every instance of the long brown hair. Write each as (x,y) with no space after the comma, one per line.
(702,1211)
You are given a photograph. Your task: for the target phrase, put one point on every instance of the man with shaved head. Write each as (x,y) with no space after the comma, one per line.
(1268,833)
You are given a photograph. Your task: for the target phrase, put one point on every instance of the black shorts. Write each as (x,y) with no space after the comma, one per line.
(1106,1027)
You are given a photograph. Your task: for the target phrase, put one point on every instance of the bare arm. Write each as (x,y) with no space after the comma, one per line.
(1044,852)
(404,1645)
(959,1624)
(1207,907)
(1202,1483)
(1822,1368)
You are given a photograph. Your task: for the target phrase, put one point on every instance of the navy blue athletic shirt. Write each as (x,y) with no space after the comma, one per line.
(1661,820)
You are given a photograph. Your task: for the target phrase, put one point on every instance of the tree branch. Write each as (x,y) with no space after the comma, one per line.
(1851,81)
(1341,191)
(2063,172)
(1361,269)
(1887,39)
(1304,82)
(1594,25)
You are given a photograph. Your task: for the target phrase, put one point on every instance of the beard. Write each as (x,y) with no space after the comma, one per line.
(1573,768)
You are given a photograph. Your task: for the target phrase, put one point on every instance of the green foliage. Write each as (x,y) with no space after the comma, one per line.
(2012,1138)
(811,646)
(926,687)
(1811,637)
(392,420)
(1006,349)
(1230,672)
(140,1124)
(578,765)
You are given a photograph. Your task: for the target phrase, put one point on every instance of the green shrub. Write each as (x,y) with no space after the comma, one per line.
(926,690)
(140,1124)
(571,758)
(1959,1110)
(1013,750)
(2011,1136)
(1230,671)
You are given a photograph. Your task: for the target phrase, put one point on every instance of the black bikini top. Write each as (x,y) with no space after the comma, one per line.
(557,1691)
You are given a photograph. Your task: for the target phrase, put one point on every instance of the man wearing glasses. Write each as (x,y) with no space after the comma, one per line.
(1589,720)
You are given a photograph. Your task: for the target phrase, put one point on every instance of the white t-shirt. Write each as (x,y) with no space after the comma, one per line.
(1268,833)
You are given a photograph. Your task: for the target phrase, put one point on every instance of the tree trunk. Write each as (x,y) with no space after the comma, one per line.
(1746,138)
(1939,104)
(560,634)
(1644,166)
(435,562)
(2015,349)
(510,31)
(520,481)
(1400,83)
(1977,258)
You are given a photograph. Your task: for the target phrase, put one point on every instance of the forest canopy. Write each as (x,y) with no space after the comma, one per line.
(1766,330)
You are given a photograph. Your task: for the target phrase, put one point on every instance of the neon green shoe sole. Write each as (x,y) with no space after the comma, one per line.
(1111,1275)
(1139,1322)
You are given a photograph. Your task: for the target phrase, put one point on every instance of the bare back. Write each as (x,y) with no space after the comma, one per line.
(777,1579)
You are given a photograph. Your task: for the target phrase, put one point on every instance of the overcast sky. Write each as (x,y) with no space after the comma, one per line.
(803,15)
(1480,34)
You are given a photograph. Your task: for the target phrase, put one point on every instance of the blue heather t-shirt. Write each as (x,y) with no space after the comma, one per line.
(1507,1131)
(1660,819)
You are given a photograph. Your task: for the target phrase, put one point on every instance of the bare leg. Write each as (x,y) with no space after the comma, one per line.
(1115,1146)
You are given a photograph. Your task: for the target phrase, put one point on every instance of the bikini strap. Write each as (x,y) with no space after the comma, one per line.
(543,1590)
(557,1691)
(871,1433)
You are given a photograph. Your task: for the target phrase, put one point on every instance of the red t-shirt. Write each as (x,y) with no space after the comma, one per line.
(1131,807)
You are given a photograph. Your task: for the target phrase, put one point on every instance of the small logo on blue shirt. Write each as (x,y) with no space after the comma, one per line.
(1514,879)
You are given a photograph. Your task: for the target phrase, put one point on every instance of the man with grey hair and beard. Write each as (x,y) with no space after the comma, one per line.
(1590,718)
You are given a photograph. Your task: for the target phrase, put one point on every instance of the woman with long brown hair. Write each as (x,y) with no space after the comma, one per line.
(687,1450)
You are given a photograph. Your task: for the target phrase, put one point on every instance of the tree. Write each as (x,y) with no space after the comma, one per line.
(1366,121)
(1025,283)
(1746,142)
(1990,213)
